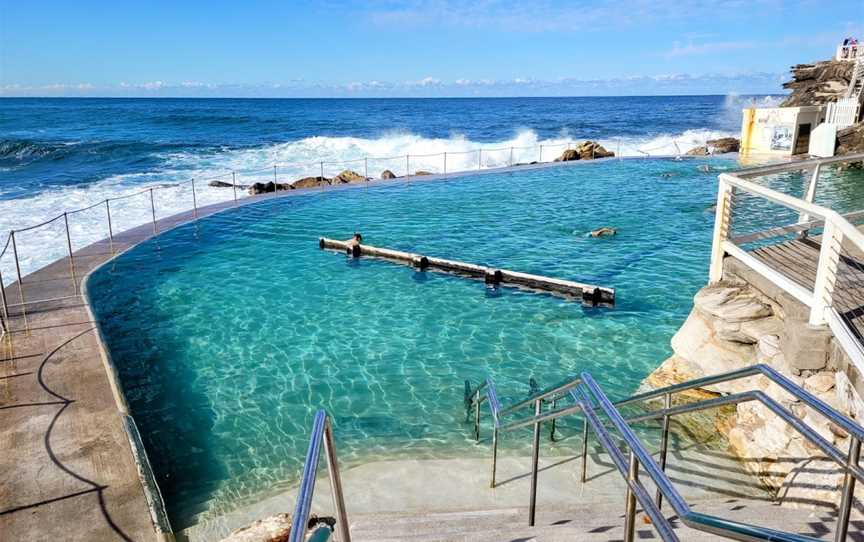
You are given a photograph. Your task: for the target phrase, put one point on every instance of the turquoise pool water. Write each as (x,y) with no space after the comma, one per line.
(229,334)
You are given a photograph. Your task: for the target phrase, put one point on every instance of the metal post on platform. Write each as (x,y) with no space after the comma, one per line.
(445,163)
(195,200)
(664,443)
(511,157)
(540,158)
(583,477)
(494,455)
(619,148)
(234,185)
(630,511)
(322,171)
(153,210)
(71,258)
(20,280)
(535,466)
(407,165)
(366,168)
(110,228)
(275,184)
(479,159)
(6,325)
(848,491)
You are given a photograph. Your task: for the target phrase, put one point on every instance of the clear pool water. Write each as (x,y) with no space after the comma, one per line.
(229,334)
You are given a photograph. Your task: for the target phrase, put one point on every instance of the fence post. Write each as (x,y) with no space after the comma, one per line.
(366,167)
(722,222)
(826,272)
(6,325)
(275,184)
(445,163)
(153,210)
(479,159)
(540,158)
(20,280)
(194,201)
(535,464)
(664,444)
(811,192)
(71,258)
(407,166)
(630,511)
(234,185)
(322,171)
(511,156)
(110,228)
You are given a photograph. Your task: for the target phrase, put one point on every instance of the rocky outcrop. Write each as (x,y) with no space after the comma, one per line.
(264,188)
(347,177)
(587,150)
(818,83)
(387,174)
(746,320)
(850,140)
(219,184)
(723,145)
(698,151)
(311,182)
(421,172)
(273,529)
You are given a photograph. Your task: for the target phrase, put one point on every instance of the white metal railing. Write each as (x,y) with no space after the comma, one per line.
(841,240)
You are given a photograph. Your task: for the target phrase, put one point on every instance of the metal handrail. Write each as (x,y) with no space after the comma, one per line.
(581,389)
(702,522)
(322,432)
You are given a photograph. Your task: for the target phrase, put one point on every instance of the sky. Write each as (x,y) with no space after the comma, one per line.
(412,48)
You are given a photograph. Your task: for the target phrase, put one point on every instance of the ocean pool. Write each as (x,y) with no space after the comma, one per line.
(230,332)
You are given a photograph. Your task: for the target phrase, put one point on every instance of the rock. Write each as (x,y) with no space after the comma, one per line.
(387,174)
(723,145)
(847,398)
(698,151)
(220,184)
(347,177)
(818,83)
(850,140)
(421,172)
(812,482)
(567,156)
(820,382)
(805,347)
(587,150)
(311,182)
(730,304)
(263,188)
(273,529)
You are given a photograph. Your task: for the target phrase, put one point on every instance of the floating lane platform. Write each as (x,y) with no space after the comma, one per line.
(589,294)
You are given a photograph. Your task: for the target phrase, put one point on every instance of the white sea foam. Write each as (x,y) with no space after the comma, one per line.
(295,160)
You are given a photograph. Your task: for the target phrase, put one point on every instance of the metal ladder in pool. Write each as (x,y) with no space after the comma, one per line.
(602,418)
(584,397)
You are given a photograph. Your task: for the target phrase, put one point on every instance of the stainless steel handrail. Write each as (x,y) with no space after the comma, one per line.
(581,390)
(322,432)
(702,522)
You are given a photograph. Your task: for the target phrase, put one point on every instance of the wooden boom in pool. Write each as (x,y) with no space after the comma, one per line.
(590,295)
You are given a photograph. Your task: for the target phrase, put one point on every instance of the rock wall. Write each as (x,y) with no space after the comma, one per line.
(818,83)
(746,320)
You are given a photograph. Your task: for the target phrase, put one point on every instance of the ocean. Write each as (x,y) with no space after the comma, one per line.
(61,154)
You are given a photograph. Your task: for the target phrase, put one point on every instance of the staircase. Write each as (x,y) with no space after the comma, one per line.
(856,84)
(613,490)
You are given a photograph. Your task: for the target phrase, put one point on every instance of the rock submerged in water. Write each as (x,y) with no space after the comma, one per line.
(420,172)
(587,150)
(347,177)
(387,174)
(219,184)
(702,150)
(273,529)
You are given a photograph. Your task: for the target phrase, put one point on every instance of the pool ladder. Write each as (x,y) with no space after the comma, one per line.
(582,396)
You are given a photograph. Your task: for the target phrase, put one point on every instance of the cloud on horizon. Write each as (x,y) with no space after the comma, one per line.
(664,84)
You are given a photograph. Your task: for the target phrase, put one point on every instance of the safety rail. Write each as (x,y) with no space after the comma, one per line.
(322,433)
(832,294)
(584,392)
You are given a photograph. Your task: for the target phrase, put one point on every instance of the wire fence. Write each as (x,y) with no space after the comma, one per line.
(64,236)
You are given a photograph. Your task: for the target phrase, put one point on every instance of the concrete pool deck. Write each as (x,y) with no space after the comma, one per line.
(68,469)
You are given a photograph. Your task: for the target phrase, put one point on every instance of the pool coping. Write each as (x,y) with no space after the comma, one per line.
(134,237)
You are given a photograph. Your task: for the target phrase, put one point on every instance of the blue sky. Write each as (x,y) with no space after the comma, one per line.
(413,48)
